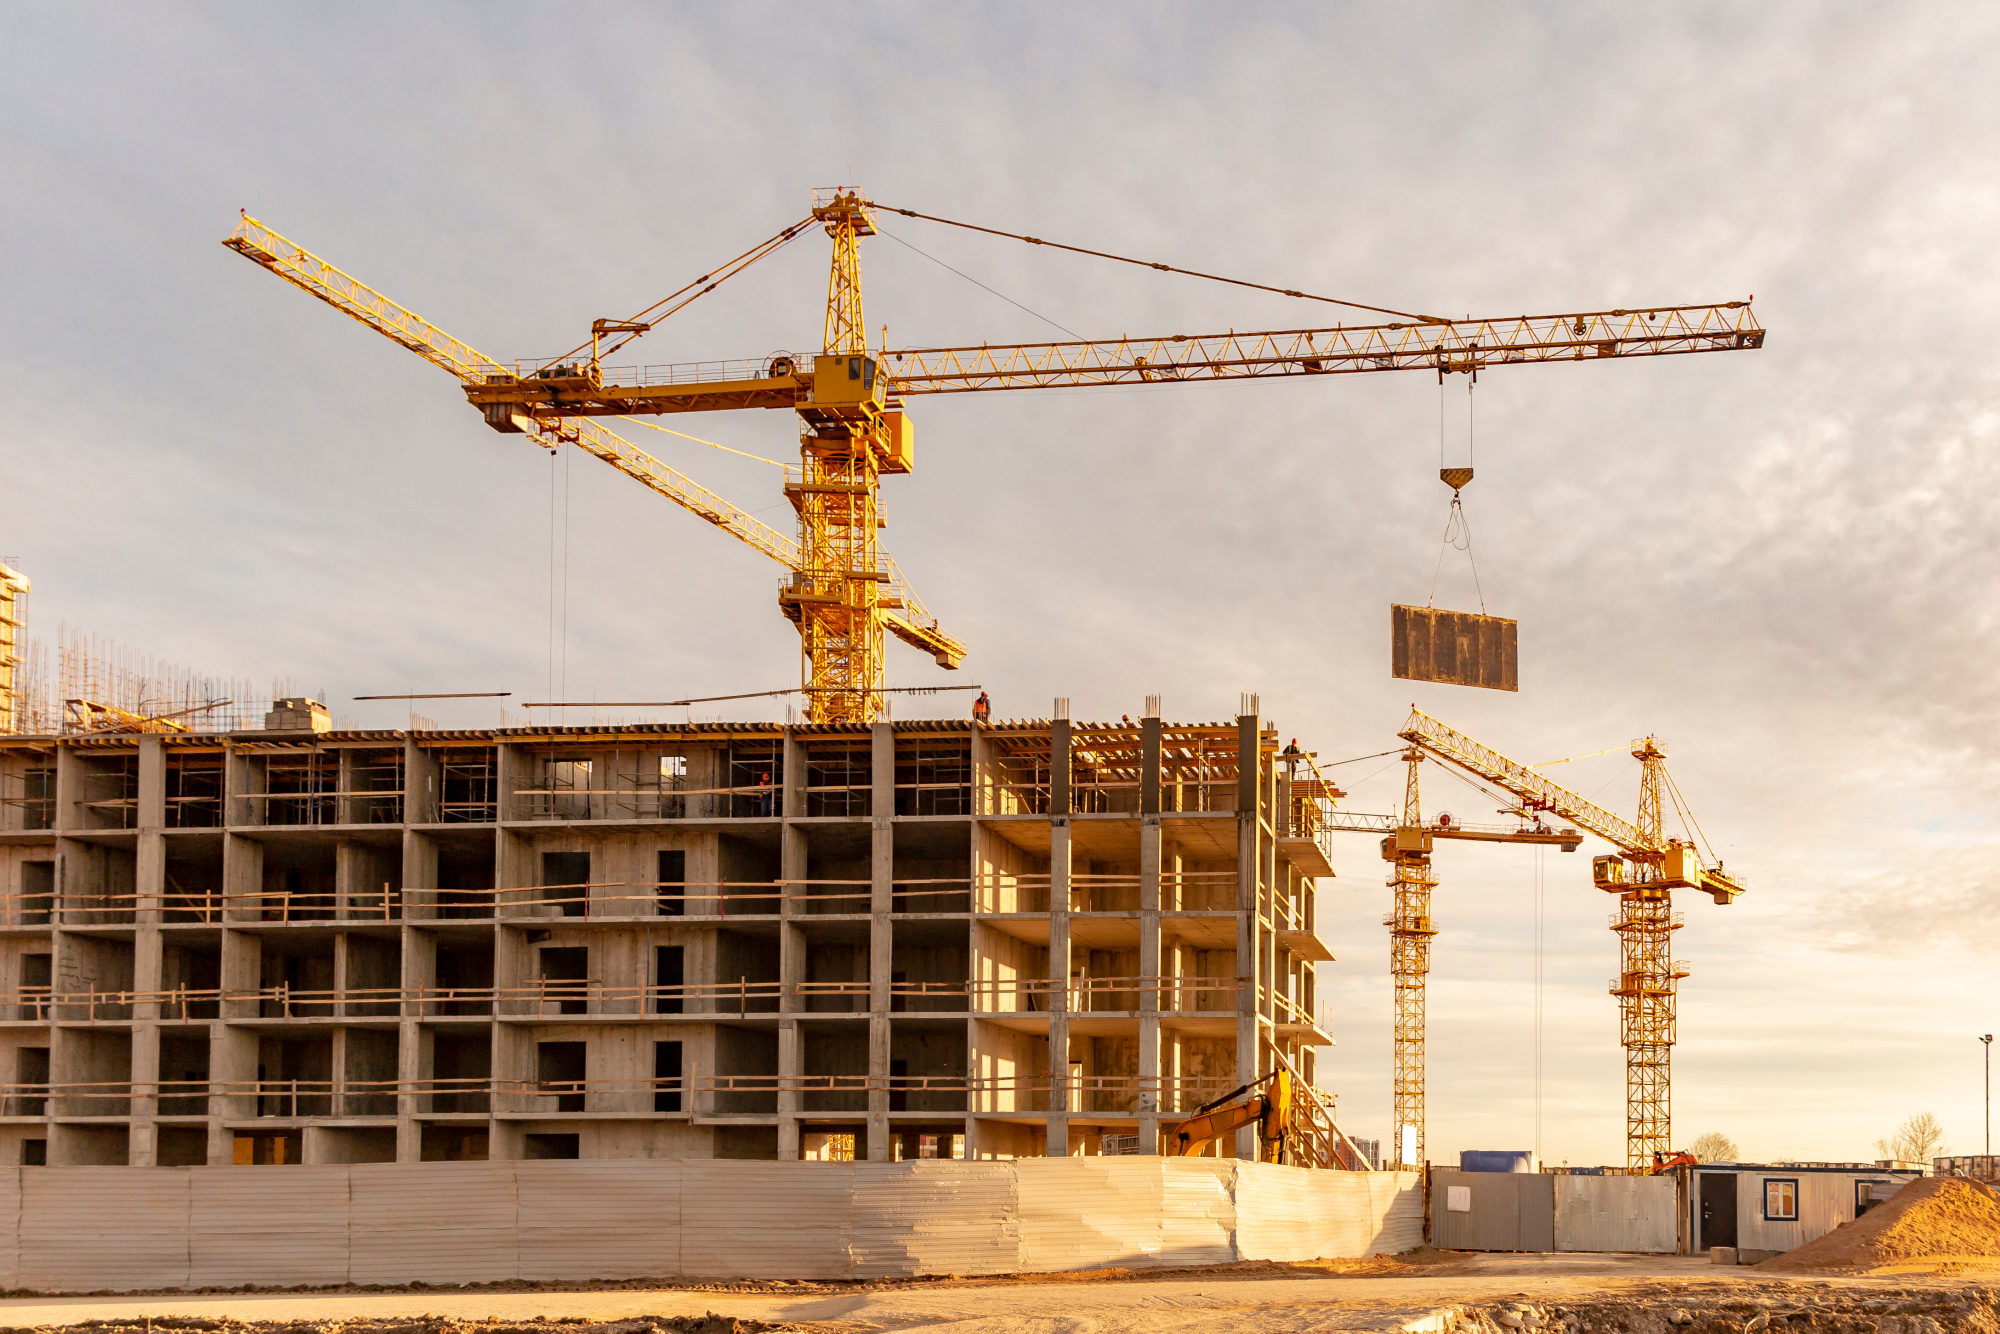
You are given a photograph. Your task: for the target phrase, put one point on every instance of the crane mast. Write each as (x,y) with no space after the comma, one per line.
(1410,932)
(834,597)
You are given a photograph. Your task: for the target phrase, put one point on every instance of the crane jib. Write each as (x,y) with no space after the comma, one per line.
(1456,347)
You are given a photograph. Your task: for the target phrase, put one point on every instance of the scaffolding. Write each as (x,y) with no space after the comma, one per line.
(24,664)
(106,686)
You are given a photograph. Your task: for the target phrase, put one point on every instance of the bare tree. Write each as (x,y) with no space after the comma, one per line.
(1918,1140)
(1714,1147)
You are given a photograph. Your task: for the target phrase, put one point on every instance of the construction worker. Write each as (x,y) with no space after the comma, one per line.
(982,709)
(764,792)
(1292,754)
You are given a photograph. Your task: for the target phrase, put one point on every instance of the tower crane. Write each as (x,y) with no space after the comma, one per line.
(1643,873)
(843,592)
(1407,842)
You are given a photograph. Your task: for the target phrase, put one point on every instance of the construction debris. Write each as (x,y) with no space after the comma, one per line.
(1732,1310)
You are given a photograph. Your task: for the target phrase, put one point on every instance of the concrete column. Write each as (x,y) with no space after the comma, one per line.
(419,970)
(149,884)
(145,1092)
(348,868)
(242,878)
(1149,761)
(151,877)
(794,774)
(881,934)
(339,1072)
(1274,888)
(982,778)
(791,960)
(1249,861)
(1061,1096)
(1059,792)
(418,892)
(343,805)
(1149,969)
(788,1096)
(340,974)
(69,813)
(419,784)
(241,780)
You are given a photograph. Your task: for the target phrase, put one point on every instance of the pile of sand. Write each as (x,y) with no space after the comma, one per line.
(1931,1219)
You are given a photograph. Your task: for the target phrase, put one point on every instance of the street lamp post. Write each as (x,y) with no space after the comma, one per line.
(1987,1041)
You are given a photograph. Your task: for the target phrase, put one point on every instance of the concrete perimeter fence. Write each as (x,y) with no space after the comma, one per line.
(83,1229)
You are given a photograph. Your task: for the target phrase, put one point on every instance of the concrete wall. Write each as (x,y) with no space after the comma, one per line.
(110,1228)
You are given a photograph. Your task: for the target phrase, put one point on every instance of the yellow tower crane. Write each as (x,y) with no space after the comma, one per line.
(843,592)
(1406,845)
(1644,872)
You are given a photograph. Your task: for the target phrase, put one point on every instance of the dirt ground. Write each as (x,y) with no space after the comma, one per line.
(1428,1292)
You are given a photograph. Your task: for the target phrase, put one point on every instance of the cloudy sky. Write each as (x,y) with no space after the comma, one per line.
(1781,561)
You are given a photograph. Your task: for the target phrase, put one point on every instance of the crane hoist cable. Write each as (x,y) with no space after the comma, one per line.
(1687,814)
(880,230)
(1457,528)
(1163,268)
(638,324)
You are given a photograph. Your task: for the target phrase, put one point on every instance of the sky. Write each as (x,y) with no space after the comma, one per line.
(1780,561)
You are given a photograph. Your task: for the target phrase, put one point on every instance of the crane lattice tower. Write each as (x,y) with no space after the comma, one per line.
(1647,976)
(1410,935)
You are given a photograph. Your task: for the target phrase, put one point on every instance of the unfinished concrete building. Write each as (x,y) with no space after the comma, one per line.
(730,940)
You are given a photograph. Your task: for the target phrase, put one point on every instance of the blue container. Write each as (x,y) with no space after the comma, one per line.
(1495,1160)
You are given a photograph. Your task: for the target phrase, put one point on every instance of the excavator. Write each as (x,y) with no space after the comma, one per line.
(1265,1103)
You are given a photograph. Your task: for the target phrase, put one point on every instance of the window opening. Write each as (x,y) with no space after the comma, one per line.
(559,1070)
(672,884)
(566,880)
(553,1146)
(670,973)
(566,979)
(666,1076)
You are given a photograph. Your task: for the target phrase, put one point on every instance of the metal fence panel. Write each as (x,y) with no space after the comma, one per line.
(267,1225)
(1509,1211)
(1285,1214)
(10,1227)
(1088,1213)
(598,1218)
(766,1220)
(84,1229)
(935,1218)
(1617,1213)
(1197,1211)
(432,1222)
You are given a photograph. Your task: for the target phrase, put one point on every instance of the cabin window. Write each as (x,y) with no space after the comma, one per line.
(1781,1200)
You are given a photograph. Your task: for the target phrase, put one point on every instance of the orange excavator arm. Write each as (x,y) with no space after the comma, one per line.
(1266,1104)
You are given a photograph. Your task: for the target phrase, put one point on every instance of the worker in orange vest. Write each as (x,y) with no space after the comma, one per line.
(982,710)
